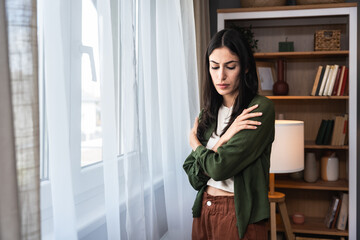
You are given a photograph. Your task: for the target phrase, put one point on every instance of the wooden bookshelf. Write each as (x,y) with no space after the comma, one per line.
(273,25)
(340,185)
(308,97)
(309,54)
(313,225)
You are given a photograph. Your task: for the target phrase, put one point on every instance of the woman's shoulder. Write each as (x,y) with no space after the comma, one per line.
(263,102)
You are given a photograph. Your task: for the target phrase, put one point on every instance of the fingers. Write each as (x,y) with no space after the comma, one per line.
(248,115)
(247,110)
(249,122)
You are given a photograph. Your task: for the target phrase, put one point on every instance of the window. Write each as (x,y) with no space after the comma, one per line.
(91,130)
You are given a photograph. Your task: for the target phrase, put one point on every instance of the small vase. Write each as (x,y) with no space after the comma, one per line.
(311,172)
(330,167)
(280,86)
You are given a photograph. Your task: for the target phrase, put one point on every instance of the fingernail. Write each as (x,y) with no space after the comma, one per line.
(260,113)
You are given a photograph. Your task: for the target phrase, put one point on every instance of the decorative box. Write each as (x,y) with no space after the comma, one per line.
(327,40)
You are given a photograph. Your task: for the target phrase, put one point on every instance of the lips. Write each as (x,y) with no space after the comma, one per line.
(223,86)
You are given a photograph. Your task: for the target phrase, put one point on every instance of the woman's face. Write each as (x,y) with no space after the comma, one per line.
(225,72)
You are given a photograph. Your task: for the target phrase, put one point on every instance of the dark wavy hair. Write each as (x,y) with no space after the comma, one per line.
(248,85)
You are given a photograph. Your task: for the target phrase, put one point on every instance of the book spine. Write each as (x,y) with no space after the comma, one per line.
(324,79)
(316,82)
(320,81)
(328,80)
(343,214)
(338,77)
(336,131)
(345,82)
(321,132)
(333,79)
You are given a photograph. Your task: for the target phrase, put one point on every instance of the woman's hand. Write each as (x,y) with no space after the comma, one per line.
(194,141)
(241,122)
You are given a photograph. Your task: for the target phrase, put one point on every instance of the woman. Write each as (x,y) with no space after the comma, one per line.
(231,142)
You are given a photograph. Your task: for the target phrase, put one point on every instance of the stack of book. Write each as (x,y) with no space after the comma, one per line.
(333,131)
(337,214)
(331,80)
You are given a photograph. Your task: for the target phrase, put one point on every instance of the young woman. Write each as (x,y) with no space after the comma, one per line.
(231,142)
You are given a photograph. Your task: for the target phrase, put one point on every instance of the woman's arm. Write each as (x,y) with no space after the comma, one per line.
(240,123)
(196,176)
(242,149)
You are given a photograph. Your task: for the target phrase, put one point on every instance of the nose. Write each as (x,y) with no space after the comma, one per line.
(222,74)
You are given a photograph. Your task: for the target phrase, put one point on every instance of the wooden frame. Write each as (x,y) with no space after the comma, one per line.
(266,77)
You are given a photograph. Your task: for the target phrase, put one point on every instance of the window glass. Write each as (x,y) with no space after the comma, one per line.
(91,128)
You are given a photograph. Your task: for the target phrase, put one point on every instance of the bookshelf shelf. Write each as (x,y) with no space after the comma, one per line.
(308,97)
(312,145)
(313,54)
(314,225)
(340,185)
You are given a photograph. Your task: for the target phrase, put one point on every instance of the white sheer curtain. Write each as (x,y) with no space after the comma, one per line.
(159,102)
(57,103)
(148,49)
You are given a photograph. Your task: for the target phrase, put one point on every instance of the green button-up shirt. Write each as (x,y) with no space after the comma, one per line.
(246,157)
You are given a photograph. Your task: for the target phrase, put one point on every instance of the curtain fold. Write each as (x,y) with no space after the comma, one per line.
(109,151)
(61,179)
(24,141)
(159,101)
(9,208)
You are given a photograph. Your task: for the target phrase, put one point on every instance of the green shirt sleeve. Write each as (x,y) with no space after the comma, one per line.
(242,149)
(196,175)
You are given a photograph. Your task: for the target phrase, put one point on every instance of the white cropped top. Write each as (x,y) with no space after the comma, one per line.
(223,119)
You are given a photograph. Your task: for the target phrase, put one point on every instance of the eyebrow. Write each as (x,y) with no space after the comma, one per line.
(225,63)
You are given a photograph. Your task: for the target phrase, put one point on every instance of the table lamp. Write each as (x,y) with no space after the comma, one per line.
(287,156)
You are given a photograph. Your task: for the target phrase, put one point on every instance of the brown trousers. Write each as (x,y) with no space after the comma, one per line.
(218,221)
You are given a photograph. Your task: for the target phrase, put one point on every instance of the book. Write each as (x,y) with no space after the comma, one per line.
(328,132)
(337,81)
(332,80)
(324,79)
(341,83)
(333,224)
(328,81)
(343,130)
(330,215)
(345,83)
(343,214)
(316,82)
(336,131)
(321,132)
(320,81)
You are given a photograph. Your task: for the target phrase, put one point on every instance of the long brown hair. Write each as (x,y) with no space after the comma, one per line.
(248,86)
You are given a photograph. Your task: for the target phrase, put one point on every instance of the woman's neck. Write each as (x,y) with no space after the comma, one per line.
(228,101)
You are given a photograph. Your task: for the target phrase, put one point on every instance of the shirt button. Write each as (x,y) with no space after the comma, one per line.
(208,203)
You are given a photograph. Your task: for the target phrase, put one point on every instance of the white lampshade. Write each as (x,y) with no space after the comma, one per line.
(287,153)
